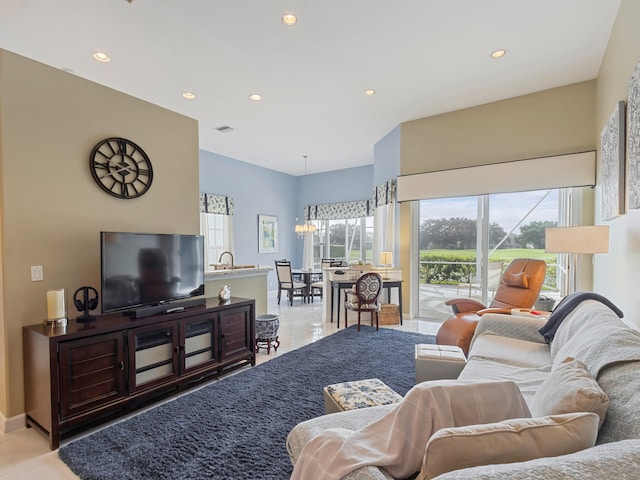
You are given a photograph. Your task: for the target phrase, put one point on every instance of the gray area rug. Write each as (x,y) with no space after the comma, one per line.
(236,428)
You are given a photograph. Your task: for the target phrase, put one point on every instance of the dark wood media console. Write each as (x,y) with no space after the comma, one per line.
(82,375)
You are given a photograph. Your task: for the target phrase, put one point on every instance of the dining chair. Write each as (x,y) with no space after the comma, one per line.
(318,283)
(287,282)
(364,297)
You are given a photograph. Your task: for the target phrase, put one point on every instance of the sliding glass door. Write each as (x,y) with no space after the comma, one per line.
(465,244)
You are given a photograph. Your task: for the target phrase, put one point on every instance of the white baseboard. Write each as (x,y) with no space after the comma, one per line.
(12,424)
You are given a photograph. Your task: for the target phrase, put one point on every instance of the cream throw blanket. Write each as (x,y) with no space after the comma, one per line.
(397,441)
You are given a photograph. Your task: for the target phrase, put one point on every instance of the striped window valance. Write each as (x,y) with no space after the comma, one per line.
(338,211)
(385,193)
(211,203)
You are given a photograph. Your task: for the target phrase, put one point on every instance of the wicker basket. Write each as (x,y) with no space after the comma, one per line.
(389,314)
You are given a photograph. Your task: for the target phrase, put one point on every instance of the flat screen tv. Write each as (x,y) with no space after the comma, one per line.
(149,269)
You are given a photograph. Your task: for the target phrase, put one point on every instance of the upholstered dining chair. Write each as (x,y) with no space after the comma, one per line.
(364,297)
(318,284)
(519,287)
(286,281)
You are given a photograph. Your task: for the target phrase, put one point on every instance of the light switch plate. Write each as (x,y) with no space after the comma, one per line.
(36,273)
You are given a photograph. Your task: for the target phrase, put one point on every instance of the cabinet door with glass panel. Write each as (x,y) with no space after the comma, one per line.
(153,355)
(200,345)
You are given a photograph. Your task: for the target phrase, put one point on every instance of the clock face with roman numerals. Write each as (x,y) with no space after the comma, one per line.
(121,168)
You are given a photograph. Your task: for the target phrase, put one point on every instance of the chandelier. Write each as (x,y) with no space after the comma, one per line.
(306,227)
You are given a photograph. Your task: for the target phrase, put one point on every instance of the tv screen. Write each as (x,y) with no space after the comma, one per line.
(141,269)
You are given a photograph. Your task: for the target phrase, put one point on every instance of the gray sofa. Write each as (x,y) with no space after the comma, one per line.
(508,347)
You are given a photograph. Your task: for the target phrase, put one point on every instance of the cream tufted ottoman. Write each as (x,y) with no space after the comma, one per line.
(438,362)
(358,394)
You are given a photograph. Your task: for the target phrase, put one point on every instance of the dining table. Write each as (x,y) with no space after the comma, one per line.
(308,276)
(346,284)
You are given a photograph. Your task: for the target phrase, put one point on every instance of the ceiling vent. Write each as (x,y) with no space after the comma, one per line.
(224,129)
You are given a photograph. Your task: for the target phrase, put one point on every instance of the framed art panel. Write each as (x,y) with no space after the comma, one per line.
(633,139)
(267,234)
(612,164)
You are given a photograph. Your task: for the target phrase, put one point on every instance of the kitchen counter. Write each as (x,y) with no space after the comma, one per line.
(244,282)
(237,272)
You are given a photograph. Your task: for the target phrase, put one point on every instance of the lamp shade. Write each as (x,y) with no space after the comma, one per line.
(585,239)
(386,258)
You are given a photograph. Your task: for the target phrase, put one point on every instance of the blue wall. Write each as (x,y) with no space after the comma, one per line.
(386,157)
(257,190)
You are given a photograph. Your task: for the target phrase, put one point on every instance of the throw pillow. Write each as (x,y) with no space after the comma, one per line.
(569,388)
(519,280)
(509,441)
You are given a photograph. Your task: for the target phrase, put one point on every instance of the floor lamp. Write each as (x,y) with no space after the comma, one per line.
(575,241)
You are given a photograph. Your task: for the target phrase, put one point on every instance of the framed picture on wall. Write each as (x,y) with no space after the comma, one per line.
(633,138)
(612,163)
(267,234)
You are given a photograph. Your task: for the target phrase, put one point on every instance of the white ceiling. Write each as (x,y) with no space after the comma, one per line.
(423,57)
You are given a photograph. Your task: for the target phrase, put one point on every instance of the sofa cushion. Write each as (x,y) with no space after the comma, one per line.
(527,379)
(512,351)
(619,460)
(509,441)
(569,388)
(621,383)
(351,419)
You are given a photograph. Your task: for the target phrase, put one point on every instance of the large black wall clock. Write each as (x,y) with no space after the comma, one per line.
(121,168)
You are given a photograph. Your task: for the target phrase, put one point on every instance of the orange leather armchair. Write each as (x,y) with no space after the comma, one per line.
(519,288)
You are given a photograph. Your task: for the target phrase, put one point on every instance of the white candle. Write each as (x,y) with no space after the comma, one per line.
(55,304)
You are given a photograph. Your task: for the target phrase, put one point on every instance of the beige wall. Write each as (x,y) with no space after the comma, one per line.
(52,210)
(551,122)
(253,286)
(616,273)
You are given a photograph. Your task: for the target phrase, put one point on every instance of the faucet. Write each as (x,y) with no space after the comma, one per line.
(222,255)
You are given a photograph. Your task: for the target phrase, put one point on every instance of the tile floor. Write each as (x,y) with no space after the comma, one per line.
(25,454)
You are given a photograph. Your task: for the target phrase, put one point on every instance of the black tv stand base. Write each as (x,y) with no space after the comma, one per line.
(165,308)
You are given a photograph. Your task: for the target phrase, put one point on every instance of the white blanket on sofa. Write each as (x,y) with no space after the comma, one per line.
(397,441)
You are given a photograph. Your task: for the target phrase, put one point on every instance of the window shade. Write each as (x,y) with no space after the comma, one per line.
(572,170)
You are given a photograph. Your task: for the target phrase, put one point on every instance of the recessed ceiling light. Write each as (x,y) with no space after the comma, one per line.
(369,92)
(256,97)
(289,19)
(101,57)
(188,95)
(498,53)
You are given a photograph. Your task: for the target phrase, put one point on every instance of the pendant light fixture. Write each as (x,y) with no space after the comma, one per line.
(306,227)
